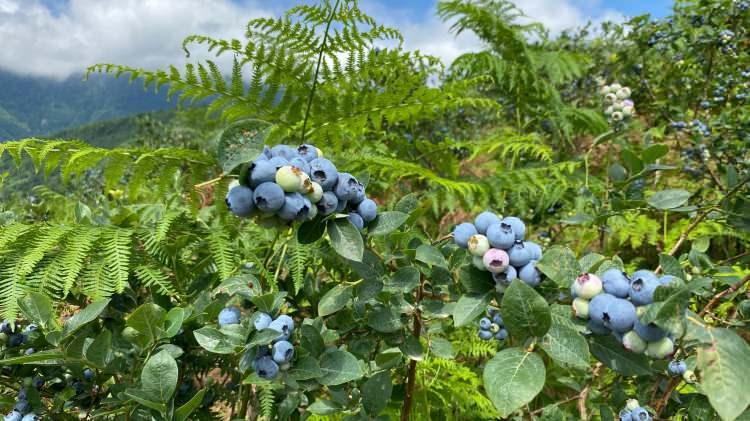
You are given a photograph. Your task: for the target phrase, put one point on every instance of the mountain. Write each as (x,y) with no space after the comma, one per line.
(37,106)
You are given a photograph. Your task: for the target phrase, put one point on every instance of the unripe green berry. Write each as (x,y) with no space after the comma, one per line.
(634,343)
(478,245)
(494,328)
(581,308)
(632,404)
(289,178)
(316,194)
(689,376)
(587,286)
(662,348)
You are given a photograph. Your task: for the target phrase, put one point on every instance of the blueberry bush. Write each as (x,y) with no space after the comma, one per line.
(551,228)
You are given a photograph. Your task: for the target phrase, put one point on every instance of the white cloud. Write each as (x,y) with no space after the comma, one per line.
(148,33)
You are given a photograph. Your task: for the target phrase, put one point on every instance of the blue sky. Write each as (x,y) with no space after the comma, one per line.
(60,38)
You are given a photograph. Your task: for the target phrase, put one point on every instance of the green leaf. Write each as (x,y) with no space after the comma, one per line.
(311,231)
(431,256)
(311,340)
(339,367)
(141,397)
(335,299)
(469,307)
(668,199)
(512,378)
(560,265)
(241,142)
(159,377)
(669,313)
(100,351)
(725,373)
(376,392)
(148,320)
(412,348)
(385,319)
(590,262)
(53,357)
(671,266)
(264,337)
(563,343)
(654,152)
(245,285)
(387,222)
(611,352)
(182,413)
(408,203)
(85,316)
(475,281)
(525,312)
(173,322)
(269,303)
(215,341)
(442,348)
(38,309)
(406,278)
(346,239)
(305,368)
(324,407)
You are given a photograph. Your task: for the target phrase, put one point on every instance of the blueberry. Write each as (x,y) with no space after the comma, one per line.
(485,335)
(633,342)
(598,307)
(642,287)
(261,172)
(484,323)
(307,152)
(287,323)
(530,274)
(38,382)
(267,368)
(615,282)
(229,316)
(14,416)
(506,277)
(347,187)
(269,197)
(358,198)
(279,327)
(343,204)
(587,285)
(16,339)
(356,220)
(501,335)
(88,374)
(240,201)
(283,351)
(495,260)
(597,328)
(519,255)
(676,368)
(30,328)
(315,193)
(300,163)
(328,203)
(534,248)
(22,394)
(78,387)
(296,207)
(478,245)
(462,233)
(262,320)
(667,279)
(484,220)
(501,236)
(29,351)
(620,315)
(498,319)
(289,178)
(323,172)
(640,414)
(649,332)
(368,209)
(284,151)
(22,406)
(519,228)
(625,415)
(6,328)
(277,163)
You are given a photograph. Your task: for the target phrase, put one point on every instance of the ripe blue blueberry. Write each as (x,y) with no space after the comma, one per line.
(615,282)
(368,209)
(620,315)
(239,200)
(501,335)
(343,204)
(307,152)
(266,368)
(598,307)
(676,368)
(640,414)
(30,328)
(498,319)
(648,332)
(29,351)
(356,220)
(484,323)
(358,198)
(13,416)
(347,187)
(22,406)
(485,335)
(296,207)
(625,415)
(277,163)
(229,316)
(501,235)
(283,351)
(269,197)
(534,248)
(462,233)
(300,163)
(38,382)
(286,322)
(642,287)
(328,203)
(597,328)
(16,339)
(484,220)
(505,278)
(6,328)
(88,374)
(262,320)
(519,228)
(78,387)
(261,172)
(284,151)
(323,172)
(530,274)
(519,255)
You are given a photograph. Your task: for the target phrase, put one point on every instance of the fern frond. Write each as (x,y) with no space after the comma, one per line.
(267,400)
(155,278)
(222,252)
(298,258)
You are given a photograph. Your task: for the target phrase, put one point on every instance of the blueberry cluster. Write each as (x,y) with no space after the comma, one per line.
(633,411)
(297,184)
(619,106)
(613,304)
(22,408)
(492,326)
(269,359)
(498,246)
(14,338)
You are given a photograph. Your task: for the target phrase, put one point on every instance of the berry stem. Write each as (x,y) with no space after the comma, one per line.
(411,375)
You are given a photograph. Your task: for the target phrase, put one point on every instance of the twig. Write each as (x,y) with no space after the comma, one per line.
(411,375)
(714,301)
(585,392)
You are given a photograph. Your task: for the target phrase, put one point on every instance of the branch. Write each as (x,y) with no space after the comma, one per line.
(411,375)
(719,296)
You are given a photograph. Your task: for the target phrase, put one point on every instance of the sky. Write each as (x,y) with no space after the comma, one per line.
(60,38)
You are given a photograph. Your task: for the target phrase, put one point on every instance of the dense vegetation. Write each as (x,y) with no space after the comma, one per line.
(132,292)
